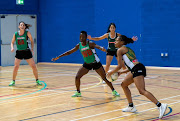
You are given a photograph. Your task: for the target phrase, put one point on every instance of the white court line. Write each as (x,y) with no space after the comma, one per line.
(56,93)
(55,75)
(118,109)
(138,112)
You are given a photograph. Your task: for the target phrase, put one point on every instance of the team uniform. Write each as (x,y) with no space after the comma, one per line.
(23,51)
(130,60)
(138,69)
(112,50)
(91,60)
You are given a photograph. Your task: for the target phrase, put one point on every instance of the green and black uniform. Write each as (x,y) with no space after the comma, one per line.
(23,51)
(112,50)
(132,63)
(91,60)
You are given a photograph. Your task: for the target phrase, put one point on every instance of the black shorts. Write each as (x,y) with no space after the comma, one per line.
(138,70)
(111,53)
(93,66)
(23,54)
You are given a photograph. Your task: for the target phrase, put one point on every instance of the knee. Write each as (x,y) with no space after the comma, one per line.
(16,66)
(33,66)
(77,77)
(107,64)
(142,91)
(123,85)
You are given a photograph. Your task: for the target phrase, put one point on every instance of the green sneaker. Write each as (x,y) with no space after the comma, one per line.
(38,82)
(115,93)
(77,94)
(12,83)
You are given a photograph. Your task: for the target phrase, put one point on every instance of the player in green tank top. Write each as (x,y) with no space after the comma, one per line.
(111,35)
(87,53)
(23,52)
(21,41)
(91,61)
(138,72)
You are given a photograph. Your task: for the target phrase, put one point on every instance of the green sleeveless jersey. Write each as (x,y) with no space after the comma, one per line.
(21,41)
(87,53)
(111,43)
(129,58)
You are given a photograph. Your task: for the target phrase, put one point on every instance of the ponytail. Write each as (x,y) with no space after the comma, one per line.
(26,25)
(126,39)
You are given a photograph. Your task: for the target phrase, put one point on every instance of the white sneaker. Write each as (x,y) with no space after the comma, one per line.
(129,109)
(162,109)
(103,82)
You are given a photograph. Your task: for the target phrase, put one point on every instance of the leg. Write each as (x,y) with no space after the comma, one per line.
(126,82)
(140,84)
(82,71)
(102,73)
(16,67)
(33,66)
(108,62)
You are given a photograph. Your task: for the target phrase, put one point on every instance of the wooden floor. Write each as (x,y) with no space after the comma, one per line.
(53,101)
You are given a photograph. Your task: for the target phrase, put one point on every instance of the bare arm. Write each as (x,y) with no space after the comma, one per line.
(120,53)
(67,52)
(124,71)
(98,38)
(93,45)
(31,39)
(12,43)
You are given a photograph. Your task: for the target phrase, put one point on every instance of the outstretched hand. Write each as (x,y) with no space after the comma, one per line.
(134,38)
(103,49)
(89,37)
(54,59)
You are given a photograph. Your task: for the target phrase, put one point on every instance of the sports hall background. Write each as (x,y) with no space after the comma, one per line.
(59,22)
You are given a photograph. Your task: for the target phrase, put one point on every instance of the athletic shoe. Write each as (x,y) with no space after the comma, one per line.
(162,109)
(115,93)
(129,109)
(76,94)
(38,83)
(12,83)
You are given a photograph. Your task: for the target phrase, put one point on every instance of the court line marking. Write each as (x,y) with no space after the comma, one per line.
(96,85)
(88,107)
(40,96)
(119,109)
(76,108)
(170,111)
(26,94)
(47,89)
(138,112)
(66,91)
(167,116)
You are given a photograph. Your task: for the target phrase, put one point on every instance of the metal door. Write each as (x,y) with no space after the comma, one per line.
(9,25)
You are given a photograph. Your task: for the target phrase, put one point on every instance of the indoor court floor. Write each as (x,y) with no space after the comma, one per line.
(53,102)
